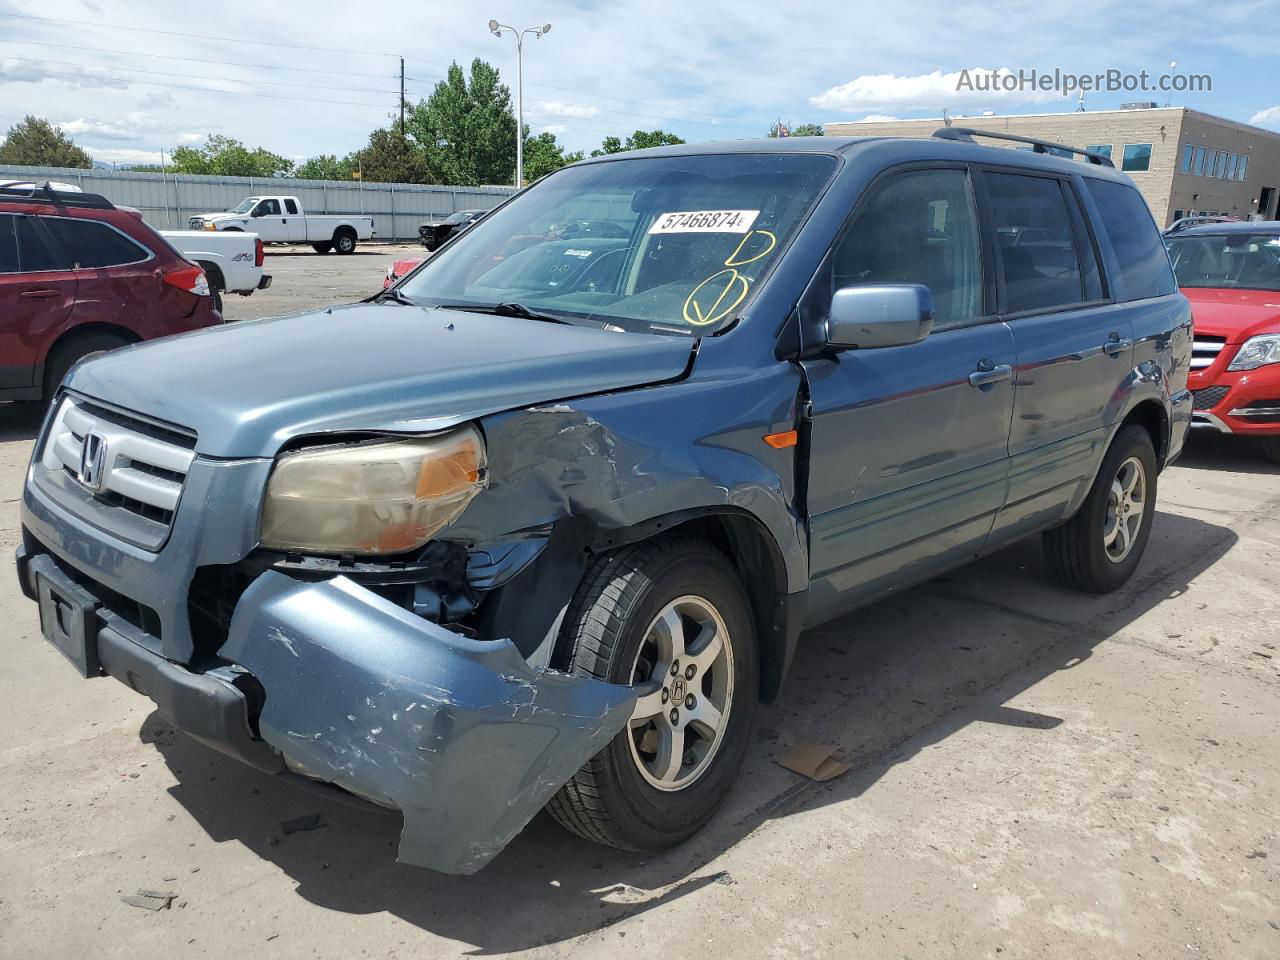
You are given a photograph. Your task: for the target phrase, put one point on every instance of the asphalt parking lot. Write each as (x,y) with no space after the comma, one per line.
(1033,774)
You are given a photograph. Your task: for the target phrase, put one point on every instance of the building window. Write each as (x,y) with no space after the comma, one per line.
(1177,215)
(1210,161)
(1231,166)
(1199,161)
(1188,157)
(1242,166)
(1221,168)
(1101,149)
(1137,157)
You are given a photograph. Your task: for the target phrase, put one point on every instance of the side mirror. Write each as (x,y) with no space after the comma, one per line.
(258,212)
(879,315)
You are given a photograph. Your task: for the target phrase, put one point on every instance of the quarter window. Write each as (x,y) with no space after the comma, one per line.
(290,207)
(1140,254)
(920,227)
(1137,157)
(91,245)
(1037,244)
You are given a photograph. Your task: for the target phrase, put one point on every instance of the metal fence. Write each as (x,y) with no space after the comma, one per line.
(166,201)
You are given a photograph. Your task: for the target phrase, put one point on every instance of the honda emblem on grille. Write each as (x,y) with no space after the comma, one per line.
(93,461)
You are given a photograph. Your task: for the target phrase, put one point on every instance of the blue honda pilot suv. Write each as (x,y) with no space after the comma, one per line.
(540,525)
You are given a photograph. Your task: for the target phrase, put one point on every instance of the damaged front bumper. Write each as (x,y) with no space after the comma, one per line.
(462,736)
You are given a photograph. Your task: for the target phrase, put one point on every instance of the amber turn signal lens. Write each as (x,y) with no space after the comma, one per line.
(788,438)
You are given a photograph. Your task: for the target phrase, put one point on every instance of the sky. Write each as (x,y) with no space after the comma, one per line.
(128,79)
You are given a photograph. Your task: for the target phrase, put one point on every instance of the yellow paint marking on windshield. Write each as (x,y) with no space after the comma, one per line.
(733,260)
(728,293)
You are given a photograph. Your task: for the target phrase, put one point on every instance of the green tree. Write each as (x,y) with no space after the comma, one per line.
(465,129)
(227,157)
(35,142)
(327,166)
(799,130)
(389,159)
(637,141)
(543,155)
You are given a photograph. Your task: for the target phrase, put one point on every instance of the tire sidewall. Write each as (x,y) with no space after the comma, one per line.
(344,243)
(1132,441)
(668,817)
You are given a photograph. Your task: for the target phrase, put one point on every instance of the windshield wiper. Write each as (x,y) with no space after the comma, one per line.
(394,295)
(505,310)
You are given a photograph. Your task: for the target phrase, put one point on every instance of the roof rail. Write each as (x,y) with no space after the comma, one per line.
(59,194)
(1184,222)
(967,134)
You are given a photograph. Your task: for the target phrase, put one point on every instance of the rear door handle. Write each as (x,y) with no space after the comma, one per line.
(38,295)
(989,373)
(1116,345)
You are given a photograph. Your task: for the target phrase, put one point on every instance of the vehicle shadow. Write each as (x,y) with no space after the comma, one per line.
(1209,450)
(20,421)
(884,683)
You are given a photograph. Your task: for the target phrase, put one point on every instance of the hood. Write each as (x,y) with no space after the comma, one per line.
(1234,313)
(248,388)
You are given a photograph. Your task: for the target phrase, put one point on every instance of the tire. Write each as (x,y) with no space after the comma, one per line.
(344,241)
(611,627)
(217,284)
(322,247)
(1271,448)
(68,353)
(1081,553)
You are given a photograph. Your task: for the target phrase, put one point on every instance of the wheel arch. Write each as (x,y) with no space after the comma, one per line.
(1154,418)
(75,333)
(759,561)
(214,273)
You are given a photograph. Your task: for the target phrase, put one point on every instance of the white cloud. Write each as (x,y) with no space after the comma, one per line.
(123,155)
(556,128)
(1269,117)
(129,127)
(557,108)
(190,136)
(27,71)
(163,100)
(876,118)
(933,90)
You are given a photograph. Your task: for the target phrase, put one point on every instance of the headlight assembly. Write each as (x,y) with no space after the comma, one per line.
(372,498)
(1257,352)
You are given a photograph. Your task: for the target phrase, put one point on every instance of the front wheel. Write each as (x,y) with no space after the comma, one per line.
(1098,549)
(322,247)
(1271,448)
(671,618)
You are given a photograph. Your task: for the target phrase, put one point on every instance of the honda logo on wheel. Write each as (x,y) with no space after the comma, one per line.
(93,461)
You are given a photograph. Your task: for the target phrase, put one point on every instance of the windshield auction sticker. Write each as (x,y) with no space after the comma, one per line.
(705,221)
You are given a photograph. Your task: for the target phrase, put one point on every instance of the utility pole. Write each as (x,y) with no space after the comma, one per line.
(402,98)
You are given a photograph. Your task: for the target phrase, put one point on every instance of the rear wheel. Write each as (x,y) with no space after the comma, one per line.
(344,241)
(1271,448)
(70,352)
(217,284)
(1098,549)
(672,618)
(322,247)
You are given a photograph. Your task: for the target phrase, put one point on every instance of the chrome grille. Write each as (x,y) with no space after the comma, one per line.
(120,472)
(1205,350)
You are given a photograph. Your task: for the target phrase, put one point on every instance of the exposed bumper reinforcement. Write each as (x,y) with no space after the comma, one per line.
(462,736)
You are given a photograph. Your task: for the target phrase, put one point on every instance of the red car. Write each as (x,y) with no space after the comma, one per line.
(1231,274)
(399,268)
(79,275)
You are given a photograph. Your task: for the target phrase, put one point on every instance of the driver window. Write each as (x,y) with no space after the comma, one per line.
(269,208)
(919,227)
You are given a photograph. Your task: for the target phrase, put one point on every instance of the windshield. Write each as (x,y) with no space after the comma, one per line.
(245,205)
(1248,260)
(652,244)
(462,216)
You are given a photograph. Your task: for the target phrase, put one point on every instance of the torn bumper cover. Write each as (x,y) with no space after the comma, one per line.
(462,736)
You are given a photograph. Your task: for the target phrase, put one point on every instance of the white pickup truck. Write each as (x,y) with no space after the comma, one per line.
(282,220)
(232,262)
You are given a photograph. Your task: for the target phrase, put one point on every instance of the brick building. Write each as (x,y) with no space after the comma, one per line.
(1182,160)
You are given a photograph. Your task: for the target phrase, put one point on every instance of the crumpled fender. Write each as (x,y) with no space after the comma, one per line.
(462,736)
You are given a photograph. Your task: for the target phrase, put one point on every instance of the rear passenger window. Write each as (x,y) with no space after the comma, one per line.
(290,207)
(1037,244)
(34,253)
(90,244)
(1144,264)
(920,227)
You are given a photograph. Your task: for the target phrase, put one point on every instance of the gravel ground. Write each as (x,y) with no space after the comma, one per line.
(1034,774)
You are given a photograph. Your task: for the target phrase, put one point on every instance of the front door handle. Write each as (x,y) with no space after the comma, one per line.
(38,295)
(989,373)
(1116,345)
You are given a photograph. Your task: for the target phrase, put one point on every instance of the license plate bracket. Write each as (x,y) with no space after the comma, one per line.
(69,621)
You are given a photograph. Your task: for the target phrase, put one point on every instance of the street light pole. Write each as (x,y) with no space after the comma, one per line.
(496,29)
